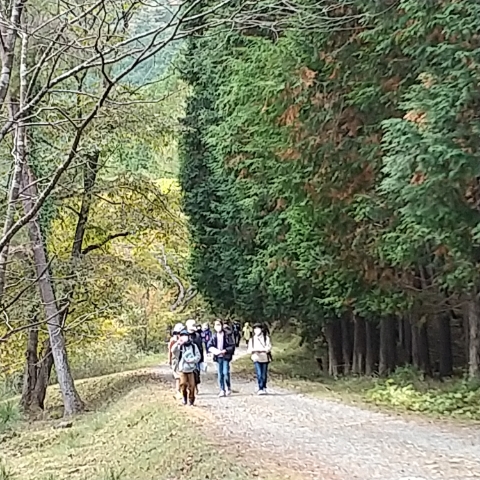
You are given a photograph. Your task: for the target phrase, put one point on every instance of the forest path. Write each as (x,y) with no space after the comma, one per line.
(322,439)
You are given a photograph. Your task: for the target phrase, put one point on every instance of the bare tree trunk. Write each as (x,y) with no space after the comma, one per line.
(30,376)
(9,31)
(387,346)
(346,344)
(474,336)
(89,179)
(359,345)
(12,199)
(44,371)
(71,399)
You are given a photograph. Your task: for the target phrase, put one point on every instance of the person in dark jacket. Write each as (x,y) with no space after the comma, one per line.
(206,335)
(237,333)
(196,338)
(222,347)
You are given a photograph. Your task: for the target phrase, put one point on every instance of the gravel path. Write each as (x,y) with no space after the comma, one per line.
(328,440)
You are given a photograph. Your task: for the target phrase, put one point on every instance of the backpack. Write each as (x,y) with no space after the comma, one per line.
(188,355)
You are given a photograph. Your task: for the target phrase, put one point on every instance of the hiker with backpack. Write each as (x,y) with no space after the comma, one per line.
(196,338)
(172,359)
(260,347)
(222,347)
(188,356)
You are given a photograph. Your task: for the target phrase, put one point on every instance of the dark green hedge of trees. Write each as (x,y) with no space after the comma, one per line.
(331,172)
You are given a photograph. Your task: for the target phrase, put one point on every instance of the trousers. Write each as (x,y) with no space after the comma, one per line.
(188,386)
(223,370)
(261,370)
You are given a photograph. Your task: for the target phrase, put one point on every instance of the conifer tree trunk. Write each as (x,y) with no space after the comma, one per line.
(346,345)
(387,359)
(474,336)
(359,345)
(420,347)
(333,337)
(371,358)
(407,340)
(445,345)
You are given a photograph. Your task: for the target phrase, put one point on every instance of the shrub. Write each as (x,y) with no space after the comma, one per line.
(459,399)
(9,415)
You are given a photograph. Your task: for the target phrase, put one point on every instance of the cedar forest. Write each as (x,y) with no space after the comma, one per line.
(310,164)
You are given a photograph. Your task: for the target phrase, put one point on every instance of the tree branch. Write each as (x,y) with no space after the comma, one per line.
(111,237)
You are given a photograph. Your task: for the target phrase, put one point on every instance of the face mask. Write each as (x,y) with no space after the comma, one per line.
(258,331)
(218,328)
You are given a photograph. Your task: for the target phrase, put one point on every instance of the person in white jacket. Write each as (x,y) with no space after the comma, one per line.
(259,347)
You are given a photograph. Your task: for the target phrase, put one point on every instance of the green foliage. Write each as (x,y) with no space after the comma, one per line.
(460,399)
(331,171)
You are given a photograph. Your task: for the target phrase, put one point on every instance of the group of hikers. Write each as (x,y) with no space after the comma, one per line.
(190,344)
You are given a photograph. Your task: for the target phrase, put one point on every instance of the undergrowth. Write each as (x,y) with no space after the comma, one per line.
(406,390)
(9,416)
(458,398)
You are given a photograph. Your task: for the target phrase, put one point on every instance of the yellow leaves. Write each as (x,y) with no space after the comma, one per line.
(290,115)
(289,154)
(307,76)
(416,116)
(427,80)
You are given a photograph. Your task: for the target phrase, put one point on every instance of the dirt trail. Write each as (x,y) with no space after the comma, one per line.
(327,440)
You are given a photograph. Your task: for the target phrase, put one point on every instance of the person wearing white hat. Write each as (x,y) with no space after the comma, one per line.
(172,359)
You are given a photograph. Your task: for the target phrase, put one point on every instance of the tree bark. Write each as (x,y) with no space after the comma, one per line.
(9,31)
(333,337)
(371,358)
(407,340)
(445,345)
(387,346)
(474,336)
(71,399)
(346,345)
(30,376)
(420,347)
(89,179)
(12,197)
(44,371)
(359,345)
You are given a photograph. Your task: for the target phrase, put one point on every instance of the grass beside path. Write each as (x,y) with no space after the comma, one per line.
(295,367)
(140,433)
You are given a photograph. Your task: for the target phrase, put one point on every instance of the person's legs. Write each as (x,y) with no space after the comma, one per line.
(263,375)
(192,386)
(226,374)
(184,386)
(258,373)
(196,376)
(220,371)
